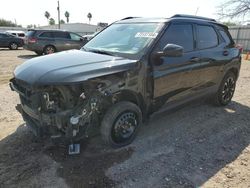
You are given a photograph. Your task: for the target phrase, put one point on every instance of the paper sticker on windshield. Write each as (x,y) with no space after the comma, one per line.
(146,35)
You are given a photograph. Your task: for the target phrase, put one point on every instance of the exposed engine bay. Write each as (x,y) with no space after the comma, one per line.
(71,111)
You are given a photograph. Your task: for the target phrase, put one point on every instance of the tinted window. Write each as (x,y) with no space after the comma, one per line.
(62,35)
(46,35)
(75,37)
(226,36)
(206,37)
(21,34)
(180,34)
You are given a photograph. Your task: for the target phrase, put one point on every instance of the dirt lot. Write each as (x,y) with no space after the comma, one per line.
(197,146)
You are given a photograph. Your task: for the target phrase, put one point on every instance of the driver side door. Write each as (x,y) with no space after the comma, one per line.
(174,77)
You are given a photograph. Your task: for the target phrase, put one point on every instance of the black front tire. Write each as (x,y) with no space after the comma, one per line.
(226,90)
(13,46)
(120,124)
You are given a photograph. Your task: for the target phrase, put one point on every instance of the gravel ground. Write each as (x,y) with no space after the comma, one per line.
(196,146)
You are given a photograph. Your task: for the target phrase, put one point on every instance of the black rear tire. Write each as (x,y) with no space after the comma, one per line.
(120,124)
(226,90)
(49,50)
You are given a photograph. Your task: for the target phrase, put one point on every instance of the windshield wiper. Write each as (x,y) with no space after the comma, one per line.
(101,52)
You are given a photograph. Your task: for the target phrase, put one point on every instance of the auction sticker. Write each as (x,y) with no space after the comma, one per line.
(146,35)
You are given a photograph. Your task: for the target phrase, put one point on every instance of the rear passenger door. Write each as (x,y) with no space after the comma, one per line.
(44,39)
(213,54)
(173,76)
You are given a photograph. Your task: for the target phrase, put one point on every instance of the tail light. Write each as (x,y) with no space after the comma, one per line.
(32,40)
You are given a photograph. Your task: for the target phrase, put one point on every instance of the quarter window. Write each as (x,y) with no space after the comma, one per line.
(206,37)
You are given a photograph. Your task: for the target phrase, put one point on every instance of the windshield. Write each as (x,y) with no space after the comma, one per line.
(127,40)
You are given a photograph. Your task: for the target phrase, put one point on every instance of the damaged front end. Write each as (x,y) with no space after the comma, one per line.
(72,112)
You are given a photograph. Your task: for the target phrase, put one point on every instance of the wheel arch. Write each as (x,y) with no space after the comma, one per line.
(131,96)
(234,70)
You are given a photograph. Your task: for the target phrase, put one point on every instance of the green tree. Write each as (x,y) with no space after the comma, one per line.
(62,21)
(66,14)
(7,23)
(89,16)
(52,21)
(47,15)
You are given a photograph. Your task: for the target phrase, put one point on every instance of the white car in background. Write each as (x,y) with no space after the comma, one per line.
(20,34)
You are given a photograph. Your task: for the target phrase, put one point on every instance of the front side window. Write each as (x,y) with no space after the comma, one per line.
(128,39)
(180,34)
(206,37)
(75,37)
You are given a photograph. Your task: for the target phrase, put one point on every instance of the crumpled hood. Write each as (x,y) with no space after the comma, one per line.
(70,67)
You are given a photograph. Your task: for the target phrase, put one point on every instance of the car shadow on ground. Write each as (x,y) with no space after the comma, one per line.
(27,56)
(7,49)
(181,149)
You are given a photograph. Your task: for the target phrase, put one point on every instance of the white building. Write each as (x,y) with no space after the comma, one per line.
(80,28)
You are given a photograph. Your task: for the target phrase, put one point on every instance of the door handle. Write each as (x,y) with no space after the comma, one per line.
(194,59)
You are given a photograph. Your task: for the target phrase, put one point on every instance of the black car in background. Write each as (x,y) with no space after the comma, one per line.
(51,41)
(10,41)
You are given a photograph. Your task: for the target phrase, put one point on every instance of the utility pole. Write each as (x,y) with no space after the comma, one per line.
(58,10)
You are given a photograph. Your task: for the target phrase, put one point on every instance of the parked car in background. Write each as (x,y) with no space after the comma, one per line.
(51,41)
(10,41)
(20,34)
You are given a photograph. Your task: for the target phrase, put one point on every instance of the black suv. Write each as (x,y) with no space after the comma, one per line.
(10,41)
(50,41)
(128,71)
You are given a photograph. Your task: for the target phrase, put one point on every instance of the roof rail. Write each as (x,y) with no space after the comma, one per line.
(192,16)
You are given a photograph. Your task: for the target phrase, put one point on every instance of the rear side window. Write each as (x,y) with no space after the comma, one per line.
(46,35)
(180,34)
(21,34)
(206,37)
(61,35)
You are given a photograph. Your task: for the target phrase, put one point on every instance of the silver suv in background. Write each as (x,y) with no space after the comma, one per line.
(51,41)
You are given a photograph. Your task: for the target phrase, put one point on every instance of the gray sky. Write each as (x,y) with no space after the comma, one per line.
(32,11)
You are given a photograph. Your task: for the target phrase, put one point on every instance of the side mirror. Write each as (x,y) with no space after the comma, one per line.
(172,50)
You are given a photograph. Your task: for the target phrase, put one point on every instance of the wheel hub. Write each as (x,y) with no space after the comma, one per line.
(124,126)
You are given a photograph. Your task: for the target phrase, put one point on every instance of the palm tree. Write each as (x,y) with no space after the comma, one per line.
(66,14)
(89,16)
(47,15)
(52,21)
